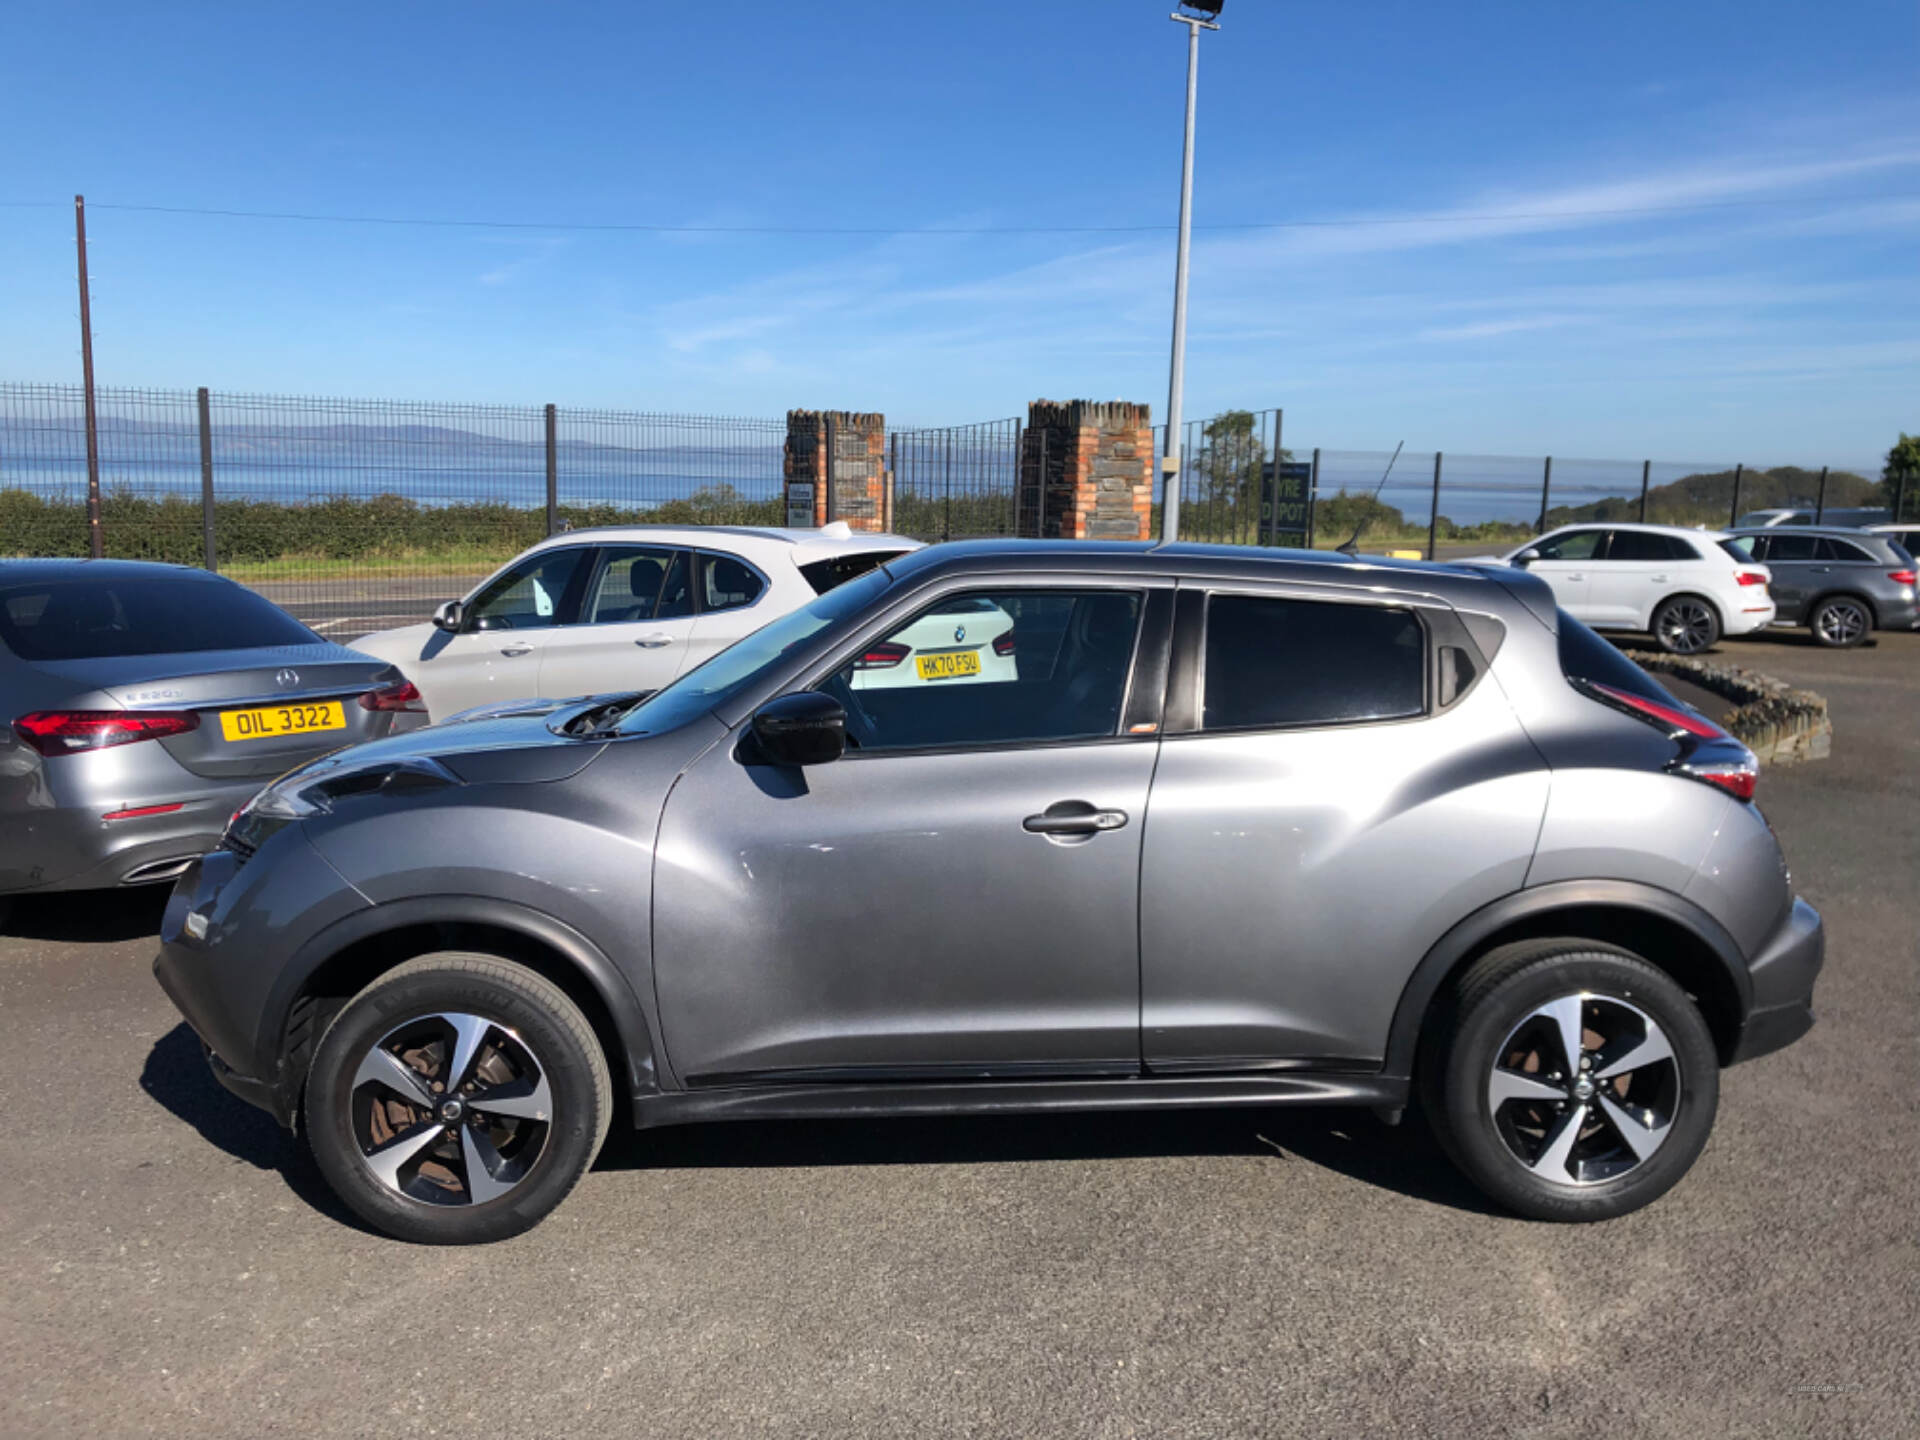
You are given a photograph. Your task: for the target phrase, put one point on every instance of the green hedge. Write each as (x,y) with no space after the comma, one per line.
(141,527)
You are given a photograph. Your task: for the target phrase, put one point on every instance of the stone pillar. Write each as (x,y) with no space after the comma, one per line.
(858,470)
(1086,471)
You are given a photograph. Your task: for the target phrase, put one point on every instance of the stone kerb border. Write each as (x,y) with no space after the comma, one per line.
(1780,724)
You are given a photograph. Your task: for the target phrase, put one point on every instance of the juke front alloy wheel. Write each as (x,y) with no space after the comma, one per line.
(1571,1081)
(457,1099)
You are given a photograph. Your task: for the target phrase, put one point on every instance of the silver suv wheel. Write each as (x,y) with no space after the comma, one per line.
(451,1109)
(1841,622)
(1584,1089)
(1686,626)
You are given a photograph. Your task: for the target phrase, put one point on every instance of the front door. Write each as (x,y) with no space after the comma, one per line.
(1566,564)
(954,898)
(1791,557)
(496,655)
(634,627)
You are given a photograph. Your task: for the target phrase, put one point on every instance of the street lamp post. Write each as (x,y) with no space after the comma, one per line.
(1196,15)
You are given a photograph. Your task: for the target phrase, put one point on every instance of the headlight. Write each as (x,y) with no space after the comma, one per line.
(315,788)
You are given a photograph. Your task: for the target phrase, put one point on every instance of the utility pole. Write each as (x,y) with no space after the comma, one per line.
(1176,380)
(94,546)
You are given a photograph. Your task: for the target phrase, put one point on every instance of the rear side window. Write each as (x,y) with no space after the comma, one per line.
(1786,549)
(1638,545)
(1832,549)
(727,583)
(96,619)
(632,582)
(1585,656)
(824,575)
(1272,662)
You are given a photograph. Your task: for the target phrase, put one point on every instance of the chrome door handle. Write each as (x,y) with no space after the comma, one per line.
(1659,579)
(1822,569)
(518,650)
(653,642)
(1073,817)
(1576,577)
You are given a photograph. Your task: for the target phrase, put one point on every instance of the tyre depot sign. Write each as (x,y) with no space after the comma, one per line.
(1284,491)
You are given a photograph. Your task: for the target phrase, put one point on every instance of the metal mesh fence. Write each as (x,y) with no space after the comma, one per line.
(956,482)
(361,514)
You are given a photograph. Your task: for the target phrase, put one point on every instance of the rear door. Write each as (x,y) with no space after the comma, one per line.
(1793,559)
(1567,560)
(1636,569)
(496,655)
(732,598)
(634,628)
(1334,790)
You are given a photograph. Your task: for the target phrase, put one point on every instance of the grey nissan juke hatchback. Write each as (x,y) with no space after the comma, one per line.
(1234,828)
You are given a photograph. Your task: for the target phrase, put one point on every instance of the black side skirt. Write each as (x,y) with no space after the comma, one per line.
(994,1097)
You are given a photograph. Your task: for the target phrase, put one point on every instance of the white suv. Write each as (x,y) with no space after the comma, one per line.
(1685,587)
(624,608)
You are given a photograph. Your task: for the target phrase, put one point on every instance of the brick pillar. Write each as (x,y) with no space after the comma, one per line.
(859,464)
(1086,470)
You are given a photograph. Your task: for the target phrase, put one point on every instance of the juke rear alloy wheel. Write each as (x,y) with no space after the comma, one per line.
(457,1099)
(1571,1081)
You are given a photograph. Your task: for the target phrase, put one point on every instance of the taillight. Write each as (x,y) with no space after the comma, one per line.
(401,696)
(1003,644)
(883,656)
(1901,577)
(1736,778)
(1665,716)
(1750,577)
(66,732)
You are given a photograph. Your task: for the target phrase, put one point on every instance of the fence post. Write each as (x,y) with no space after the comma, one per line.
(553,473)
(1313,494)
(893,472)
(1019,462)
(946,485)
(1433,519)
(206,480)
(830,432)
(1733,515)
(1546,489)
(1646,474)
(1820,503)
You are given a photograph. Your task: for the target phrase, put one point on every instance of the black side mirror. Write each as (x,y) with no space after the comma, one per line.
(449,616)
(1526,557)
(806,728)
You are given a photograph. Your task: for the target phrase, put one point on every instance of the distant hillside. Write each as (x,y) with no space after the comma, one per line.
(1707,498)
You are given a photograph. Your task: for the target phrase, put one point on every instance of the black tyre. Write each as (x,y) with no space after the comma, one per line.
(1686,625)
(1557,1135)
(457,1099)
(1841,621)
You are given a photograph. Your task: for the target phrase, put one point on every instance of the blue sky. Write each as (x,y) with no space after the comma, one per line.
(1755,295)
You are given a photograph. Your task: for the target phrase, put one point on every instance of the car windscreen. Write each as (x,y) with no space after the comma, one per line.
(1585,656)
(740,664)
(95,619)
(837,570)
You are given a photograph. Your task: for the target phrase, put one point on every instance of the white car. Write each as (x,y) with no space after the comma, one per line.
(968,640)
(1686,588)
(625,608)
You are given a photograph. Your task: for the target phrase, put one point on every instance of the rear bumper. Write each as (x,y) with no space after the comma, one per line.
(73,848)
(1783,975)
(1745,622)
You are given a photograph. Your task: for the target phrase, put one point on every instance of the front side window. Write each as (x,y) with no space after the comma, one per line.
(727,583)
(530,596)
(1570,545)
(634,580)
(1785,549)
(993,668)
(1273,662)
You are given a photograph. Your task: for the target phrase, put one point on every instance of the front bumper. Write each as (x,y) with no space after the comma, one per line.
(1783,975)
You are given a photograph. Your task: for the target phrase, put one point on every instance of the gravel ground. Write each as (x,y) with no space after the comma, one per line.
(172,1266)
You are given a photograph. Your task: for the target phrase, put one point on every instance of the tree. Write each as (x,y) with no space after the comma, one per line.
(1900,478)
(1229,468)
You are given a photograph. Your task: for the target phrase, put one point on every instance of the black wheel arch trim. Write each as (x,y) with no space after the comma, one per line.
(1471,933)
(637,1060)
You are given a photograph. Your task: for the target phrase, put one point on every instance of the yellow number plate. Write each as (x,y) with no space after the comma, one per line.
(949,664)
(281,720)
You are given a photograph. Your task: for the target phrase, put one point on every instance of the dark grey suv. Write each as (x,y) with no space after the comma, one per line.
(1841,584)
(1240,828)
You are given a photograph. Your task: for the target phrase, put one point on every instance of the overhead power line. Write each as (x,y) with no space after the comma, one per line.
(1828,203)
